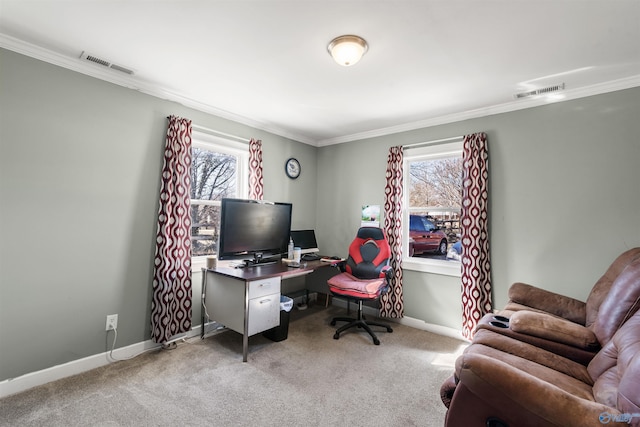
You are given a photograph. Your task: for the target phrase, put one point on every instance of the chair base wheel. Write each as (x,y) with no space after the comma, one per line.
(359,323)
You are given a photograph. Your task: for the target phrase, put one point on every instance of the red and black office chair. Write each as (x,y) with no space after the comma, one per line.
(364,276)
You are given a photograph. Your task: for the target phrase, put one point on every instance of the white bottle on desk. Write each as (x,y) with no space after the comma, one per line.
(290,249)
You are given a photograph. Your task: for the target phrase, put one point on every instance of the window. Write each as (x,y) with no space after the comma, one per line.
(433,200)
(219,169)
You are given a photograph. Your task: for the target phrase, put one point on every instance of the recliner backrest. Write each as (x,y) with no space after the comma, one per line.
(602,287)
(620,303)
(615,369)
(369,254)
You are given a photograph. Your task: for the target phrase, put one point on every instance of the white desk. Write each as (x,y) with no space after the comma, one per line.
(247,300)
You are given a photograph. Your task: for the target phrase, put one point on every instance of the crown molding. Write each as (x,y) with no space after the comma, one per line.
(597,89)
(136,83)
(153,89)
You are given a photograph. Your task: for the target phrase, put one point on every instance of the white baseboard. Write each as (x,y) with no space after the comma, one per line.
(74,367)
(430,327)
(407,321)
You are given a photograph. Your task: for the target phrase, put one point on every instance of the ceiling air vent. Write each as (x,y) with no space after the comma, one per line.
(105,63)
(543,91)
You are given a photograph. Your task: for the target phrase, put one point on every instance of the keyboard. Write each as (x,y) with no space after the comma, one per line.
(310,257)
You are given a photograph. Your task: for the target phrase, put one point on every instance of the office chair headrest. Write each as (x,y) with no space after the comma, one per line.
(373,233)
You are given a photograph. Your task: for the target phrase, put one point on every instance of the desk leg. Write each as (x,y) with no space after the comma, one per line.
(245,347)
(245,335)
(202,302)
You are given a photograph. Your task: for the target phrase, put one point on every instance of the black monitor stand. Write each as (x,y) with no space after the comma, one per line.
(258,261)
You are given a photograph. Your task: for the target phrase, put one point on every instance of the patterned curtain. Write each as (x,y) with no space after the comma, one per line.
(256,185)
(476,269)
(171,302)
(392,304)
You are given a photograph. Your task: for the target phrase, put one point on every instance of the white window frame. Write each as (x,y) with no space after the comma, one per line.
(426,152)
(240,150)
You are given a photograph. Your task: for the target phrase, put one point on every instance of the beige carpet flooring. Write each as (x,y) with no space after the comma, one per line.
(310,379)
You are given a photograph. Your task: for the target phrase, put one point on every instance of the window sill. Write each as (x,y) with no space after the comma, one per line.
(198,263)
(445,268)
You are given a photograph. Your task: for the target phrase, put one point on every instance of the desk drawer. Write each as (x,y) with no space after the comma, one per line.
(258,288)
(264,313)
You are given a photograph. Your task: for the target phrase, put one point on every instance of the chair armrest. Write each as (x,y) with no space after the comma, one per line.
(509,389)
(549,302)
(388,272)
(341,265)
(553,328)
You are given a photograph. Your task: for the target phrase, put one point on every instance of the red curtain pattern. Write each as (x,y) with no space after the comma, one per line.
(476,269)
(392,304)
(256,185)
(171,302)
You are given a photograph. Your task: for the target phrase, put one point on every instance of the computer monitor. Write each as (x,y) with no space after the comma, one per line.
(305,240)
(254,230)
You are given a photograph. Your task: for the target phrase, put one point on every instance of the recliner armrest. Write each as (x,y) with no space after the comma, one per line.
(547,301)
(553,328)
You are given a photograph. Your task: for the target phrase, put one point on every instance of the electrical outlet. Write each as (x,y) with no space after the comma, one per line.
(112,322)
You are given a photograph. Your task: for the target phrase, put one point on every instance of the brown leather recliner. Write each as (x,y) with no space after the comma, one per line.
(497,389)
(564,325)
(527,297)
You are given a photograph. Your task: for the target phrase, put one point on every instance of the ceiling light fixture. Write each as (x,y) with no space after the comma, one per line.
(347,50)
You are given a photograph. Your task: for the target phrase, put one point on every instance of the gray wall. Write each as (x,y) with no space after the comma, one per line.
(80,163)
(79,178)
(564,197)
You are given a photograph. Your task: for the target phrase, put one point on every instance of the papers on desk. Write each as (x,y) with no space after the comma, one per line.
(331,259)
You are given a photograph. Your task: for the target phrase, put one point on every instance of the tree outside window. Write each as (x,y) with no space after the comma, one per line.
(217,172)
(434,196)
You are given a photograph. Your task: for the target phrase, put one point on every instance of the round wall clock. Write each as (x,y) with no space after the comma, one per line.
(292,168)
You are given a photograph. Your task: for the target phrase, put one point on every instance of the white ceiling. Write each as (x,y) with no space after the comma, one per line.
(265,62)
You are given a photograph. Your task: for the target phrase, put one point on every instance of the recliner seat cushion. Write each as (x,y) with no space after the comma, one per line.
(568,383)
(491,388)
(532,353)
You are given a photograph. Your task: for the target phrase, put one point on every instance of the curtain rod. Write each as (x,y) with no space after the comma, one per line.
(437,141)
(217,132)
